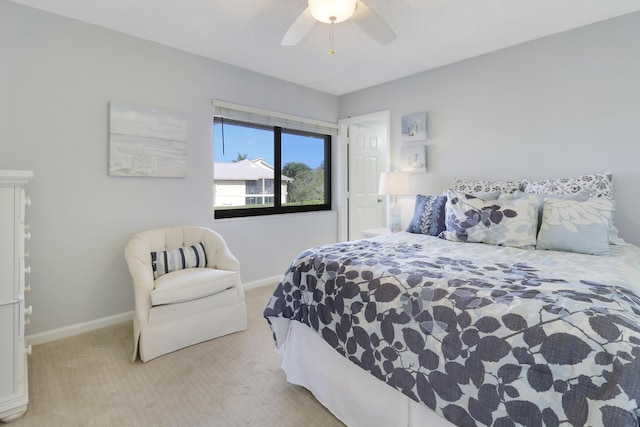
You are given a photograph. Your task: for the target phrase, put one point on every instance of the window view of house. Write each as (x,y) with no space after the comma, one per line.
(246,158)
(245,183)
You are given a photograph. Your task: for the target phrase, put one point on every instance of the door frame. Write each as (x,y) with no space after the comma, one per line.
(380,119)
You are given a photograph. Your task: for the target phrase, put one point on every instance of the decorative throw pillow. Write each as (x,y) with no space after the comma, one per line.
(580,196)
(470,186)
(428,215)
(614,236)
(600,185)
(164,262)
(569,225)
(498,222)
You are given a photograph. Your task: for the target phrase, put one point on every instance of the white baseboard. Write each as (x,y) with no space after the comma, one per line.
(269,281)
(68,331)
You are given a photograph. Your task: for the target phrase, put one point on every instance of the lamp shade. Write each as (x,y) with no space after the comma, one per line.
(339,10)
(395,184)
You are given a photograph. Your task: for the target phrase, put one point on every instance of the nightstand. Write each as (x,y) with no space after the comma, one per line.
(373,232)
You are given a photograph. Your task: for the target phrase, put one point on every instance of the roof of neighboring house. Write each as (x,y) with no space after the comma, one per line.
(245,170)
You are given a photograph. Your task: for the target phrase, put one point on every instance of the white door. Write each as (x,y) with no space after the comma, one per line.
(367,159)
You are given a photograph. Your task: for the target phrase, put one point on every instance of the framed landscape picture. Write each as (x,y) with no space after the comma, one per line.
(146,141)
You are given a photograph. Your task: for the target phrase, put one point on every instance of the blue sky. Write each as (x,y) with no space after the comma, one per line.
(259,143)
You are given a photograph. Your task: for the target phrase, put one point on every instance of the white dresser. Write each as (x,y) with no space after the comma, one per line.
(14,394)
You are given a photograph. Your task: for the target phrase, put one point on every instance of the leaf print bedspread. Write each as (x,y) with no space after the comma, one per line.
(482,334)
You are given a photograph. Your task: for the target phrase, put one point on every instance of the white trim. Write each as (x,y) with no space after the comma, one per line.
(80,328)
(283,116)
(15,177)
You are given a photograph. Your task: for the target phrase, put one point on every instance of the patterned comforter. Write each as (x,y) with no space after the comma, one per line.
(482,334)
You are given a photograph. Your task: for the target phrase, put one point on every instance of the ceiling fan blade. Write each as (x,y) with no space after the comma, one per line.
(300,28)
(373,24)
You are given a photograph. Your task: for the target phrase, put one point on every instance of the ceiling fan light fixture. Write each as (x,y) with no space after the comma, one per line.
(332,11)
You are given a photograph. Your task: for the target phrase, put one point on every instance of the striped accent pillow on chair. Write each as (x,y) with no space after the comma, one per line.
(164,262)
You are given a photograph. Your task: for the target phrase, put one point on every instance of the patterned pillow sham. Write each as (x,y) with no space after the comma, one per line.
(486,195)
(498,222)
(471,186)
(572,226)
(428,215)
(600,185)
(164,262)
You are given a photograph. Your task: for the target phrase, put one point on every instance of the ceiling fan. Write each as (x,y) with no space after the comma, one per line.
(336,11)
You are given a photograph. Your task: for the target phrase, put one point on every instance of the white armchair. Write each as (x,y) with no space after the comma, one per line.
(185,306)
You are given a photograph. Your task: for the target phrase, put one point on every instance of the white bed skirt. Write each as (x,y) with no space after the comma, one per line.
(354,396)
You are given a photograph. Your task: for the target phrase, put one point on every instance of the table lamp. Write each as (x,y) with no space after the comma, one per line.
(395,184)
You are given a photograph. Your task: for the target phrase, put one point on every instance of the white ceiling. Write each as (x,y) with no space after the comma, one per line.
(247,33)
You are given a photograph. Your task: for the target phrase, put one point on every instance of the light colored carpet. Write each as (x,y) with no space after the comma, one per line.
(88,380)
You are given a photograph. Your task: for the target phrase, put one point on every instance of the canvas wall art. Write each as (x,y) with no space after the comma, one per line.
(414,127)
(414,158)
(146,141)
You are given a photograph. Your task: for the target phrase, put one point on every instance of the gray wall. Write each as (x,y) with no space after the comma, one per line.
(564,105)
(57,77)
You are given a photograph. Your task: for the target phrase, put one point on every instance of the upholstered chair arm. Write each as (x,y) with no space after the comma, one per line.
(138,259)
(218,254)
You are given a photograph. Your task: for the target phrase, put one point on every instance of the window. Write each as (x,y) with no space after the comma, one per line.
(267,165)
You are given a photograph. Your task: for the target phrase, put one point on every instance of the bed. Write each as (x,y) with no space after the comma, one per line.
(471,322)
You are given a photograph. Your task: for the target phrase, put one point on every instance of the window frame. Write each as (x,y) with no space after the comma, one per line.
(277,207)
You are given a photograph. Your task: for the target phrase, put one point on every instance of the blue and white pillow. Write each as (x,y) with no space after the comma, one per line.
(498,222)
(599,186)
(428,215)
(614,233)
(583,227)
(164,262)
(580,196)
